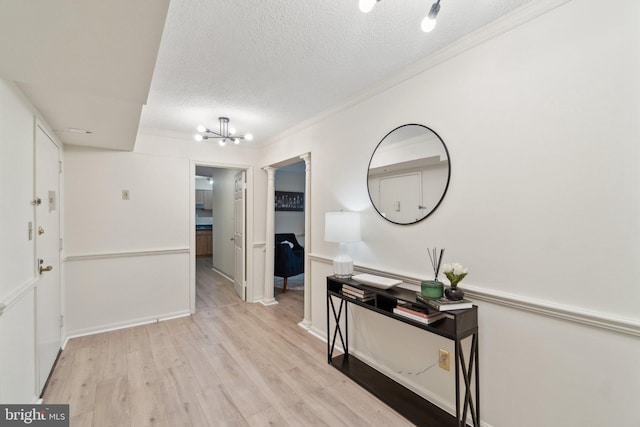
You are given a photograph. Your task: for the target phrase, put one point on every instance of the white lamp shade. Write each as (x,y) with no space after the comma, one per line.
(342,227)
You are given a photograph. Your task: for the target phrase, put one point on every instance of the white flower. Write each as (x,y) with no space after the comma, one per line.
(455,272)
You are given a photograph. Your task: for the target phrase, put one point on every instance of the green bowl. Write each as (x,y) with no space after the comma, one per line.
(431,288)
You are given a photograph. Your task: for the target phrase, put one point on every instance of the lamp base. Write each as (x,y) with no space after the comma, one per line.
(343,266)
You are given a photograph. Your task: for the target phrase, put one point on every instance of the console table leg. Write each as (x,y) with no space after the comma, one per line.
(467,374)
(458,349)
(337,331)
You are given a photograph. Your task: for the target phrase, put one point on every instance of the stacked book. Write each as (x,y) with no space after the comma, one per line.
(444,304)
(418,312)
(358,294)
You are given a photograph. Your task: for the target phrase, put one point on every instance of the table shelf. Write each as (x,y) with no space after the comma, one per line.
(456,326)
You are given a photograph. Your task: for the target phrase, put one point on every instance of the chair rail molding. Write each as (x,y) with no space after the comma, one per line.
(574,314)
(17,294)
(103,255)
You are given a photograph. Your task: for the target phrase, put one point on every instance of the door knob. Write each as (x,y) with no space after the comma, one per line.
(42,269)
(40,231)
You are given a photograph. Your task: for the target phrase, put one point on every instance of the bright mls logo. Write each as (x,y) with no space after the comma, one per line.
(34,415)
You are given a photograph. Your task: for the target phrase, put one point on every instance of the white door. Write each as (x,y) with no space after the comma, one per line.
(47,235)
(401,198)
(239,234)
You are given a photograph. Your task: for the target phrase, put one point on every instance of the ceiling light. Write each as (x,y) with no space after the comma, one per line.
(367,5)
(429,21)
(225,133)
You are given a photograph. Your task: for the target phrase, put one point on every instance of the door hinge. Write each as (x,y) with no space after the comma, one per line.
(244,185)
(61,321)
(61,244)
(60,166)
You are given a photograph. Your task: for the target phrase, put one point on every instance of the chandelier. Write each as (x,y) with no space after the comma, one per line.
(225,133)
(428,23)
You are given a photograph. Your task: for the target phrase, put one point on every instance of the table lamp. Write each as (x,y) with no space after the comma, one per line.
(342,228)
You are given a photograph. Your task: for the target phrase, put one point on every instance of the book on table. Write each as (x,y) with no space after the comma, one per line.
(356,291)
(426,319)
(417,309)
(357,297)
(444,304)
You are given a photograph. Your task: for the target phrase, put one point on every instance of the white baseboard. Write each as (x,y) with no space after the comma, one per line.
(124,325)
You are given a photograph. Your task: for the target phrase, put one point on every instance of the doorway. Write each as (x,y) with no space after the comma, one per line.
(289,228)
(220,235)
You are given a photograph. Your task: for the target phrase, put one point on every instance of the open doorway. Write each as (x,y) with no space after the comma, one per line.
(289,229)
(219,236)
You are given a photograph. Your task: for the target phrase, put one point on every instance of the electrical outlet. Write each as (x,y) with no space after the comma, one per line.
(125,194)
(443,359)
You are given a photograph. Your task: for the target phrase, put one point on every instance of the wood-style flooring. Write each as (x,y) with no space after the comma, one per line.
(230,364)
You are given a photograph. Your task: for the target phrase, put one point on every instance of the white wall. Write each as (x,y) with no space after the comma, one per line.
(542,127)
(133,261)
(127,260)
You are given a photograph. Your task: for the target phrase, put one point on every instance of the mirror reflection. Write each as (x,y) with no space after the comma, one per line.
(408,174)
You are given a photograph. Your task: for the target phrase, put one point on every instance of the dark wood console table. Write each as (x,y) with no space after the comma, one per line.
(457,326)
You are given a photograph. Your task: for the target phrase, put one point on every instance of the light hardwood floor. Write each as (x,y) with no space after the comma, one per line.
(230,364)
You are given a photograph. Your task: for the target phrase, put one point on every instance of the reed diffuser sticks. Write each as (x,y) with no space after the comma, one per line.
(436,261)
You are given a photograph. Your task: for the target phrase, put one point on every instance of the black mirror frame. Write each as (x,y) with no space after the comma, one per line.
(445,188)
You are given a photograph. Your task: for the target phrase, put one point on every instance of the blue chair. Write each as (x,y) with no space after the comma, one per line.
(288,257)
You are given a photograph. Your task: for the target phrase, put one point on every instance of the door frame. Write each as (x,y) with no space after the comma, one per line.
(58,268)
(270,227)
(248,226)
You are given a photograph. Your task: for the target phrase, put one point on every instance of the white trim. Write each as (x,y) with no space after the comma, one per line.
(574,314)
(304,325)
(103,255)
(560,311)
(18,294)
(128,324)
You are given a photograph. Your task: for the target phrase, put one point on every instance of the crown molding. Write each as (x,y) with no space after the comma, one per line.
(506,23)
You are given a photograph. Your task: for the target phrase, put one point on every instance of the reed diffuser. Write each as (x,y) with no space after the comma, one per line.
(433,288)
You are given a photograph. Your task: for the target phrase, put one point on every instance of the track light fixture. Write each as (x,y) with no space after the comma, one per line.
(225,133)
(428,23)
(367,5)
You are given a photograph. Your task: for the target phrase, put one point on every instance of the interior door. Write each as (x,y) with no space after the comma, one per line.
(400,198)
(47,239)
(239,207)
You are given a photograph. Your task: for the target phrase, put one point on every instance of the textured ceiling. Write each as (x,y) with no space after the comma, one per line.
(269,65)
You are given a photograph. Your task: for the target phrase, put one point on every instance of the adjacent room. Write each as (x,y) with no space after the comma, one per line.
(353,213)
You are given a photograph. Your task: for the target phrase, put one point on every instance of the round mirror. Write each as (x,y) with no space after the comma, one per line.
(408,174)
